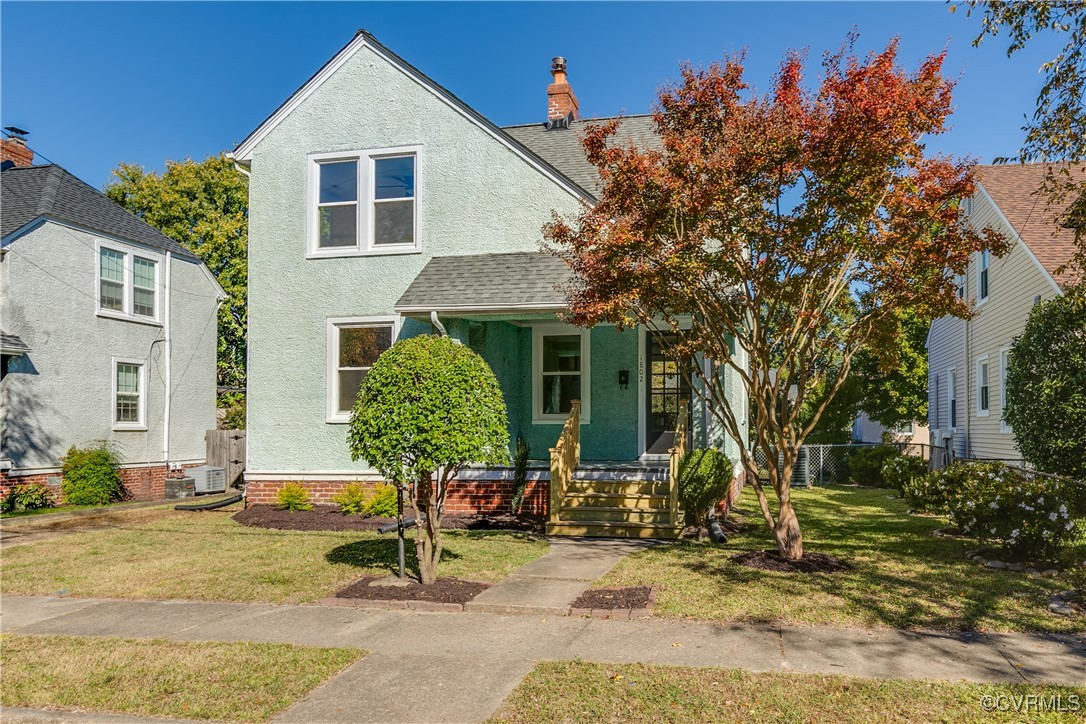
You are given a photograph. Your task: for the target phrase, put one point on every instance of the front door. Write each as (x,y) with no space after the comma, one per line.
(665,390)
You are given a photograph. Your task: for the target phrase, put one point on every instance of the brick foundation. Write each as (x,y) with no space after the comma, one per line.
(142,483)
(464,496)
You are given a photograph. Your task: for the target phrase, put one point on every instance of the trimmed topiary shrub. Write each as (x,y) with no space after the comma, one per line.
(92,476)
(351,500)
(900,470)
(865,465)
(32,496)
(292,497)
(1028,514)
(704,477)
(383,502)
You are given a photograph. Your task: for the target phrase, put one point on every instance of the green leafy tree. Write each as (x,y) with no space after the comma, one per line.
(1057,129)
(428,406)
(205,207)
(1046,387)
(892,383)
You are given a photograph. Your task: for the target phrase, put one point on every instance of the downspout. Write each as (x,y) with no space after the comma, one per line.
(168,351)
(437,323)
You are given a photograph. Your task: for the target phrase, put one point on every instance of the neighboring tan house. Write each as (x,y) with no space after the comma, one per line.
(967,360)
(382,207)
(864,429)
(101,315)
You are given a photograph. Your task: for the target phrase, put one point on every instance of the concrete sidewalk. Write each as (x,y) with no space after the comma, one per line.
(471,661)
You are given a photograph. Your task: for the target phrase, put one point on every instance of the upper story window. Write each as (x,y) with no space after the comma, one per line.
(364,202)
(982,275)
(354,344)
(127,285)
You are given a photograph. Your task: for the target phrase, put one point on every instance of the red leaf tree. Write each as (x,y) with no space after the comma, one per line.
(780,233)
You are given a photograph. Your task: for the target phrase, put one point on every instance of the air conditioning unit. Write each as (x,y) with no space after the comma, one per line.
(208,479)
(941,435)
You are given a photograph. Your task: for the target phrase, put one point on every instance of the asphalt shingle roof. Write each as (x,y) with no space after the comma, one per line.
(12,343)
(488,282)
(29,192)
(1013,187)
(561,147)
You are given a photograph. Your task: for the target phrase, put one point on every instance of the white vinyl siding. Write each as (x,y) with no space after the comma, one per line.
(984,387)
(1004,361)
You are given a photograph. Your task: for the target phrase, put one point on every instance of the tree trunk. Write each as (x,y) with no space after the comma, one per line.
(428,541)
(787,533)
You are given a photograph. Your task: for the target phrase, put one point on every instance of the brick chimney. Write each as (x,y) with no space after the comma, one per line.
(13,150)
(561,102)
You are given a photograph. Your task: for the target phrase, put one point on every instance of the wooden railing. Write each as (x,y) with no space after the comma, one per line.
(675,456)
(565,457)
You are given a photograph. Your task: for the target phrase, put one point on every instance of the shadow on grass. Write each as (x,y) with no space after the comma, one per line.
(381,554)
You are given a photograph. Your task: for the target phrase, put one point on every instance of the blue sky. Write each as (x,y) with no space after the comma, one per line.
(101,83)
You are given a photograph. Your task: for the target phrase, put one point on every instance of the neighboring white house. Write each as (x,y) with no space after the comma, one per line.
(101,315)
(967,360)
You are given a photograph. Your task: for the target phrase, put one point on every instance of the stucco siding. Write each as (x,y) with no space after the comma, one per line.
(60,394)
(1015,281)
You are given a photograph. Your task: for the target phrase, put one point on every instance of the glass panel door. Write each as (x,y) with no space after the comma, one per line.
(666,389)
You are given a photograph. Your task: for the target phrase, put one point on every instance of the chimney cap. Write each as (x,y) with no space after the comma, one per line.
(15,131)
(558,63)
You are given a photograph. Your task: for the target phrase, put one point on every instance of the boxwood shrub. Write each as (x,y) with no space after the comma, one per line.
(92,476)
(704,476)
(292,497)
(382,504)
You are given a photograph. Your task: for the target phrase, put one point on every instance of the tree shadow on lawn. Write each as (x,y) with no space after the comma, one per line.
(380,554)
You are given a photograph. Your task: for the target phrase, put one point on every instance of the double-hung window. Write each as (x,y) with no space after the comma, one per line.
(982,275)
(983,389)
(354,344)
(129,394)
(127,284)
(364,202)
(560,361)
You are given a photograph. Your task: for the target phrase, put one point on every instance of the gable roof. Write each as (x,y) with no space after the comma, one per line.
(1013,188)
(561,147)
(28,193)
(488,283)
(362,39)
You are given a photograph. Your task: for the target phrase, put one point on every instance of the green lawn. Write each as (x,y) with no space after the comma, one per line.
(903,577)
(163,554)
(583,692)
(155,677)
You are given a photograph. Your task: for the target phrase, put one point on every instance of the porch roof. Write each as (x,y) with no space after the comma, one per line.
(480,283)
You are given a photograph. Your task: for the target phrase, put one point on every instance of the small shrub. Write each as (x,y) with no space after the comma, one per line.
(865,465)
(521,453)
(33,496)
(234,418)
(1027,514)
(351,500)
(92,476)
(929,493)
(704,477)
(293,496)
(899,471)
(383,502)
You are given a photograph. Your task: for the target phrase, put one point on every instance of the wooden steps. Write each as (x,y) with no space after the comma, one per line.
(615,508)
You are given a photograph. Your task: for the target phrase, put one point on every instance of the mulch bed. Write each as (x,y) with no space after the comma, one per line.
(445,594)
(328,517)
(770,560)
(627,597)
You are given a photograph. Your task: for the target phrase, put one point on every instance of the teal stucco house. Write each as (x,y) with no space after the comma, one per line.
(381,207)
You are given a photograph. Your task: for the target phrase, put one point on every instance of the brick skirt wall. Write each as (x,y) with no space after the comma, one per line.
(142,483)
(464,496)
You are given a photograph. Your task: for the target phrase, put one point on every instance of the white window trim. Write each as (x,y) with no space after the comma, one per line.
(1004,360)
(365,218)
(980,269)
(983,359)
(140,426)
(550,329)
(332,415)
(127,293)
(952,395)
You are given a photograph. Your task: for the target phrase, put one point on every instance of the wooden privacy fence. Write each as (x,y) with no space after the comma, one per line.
(226,449)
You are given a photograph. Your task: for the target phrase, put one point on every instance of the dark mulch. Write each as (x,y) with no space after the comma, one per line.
(770,560)
(612,598)
(443,590)
(328,517)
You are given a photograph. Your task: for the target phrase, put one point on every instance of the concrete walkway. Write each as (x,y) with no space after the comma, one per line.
(471,661)
(550,583)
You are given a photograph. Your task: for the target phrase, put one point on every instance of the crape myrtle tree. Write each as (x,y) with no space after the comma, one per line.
(798,223)
(427,406)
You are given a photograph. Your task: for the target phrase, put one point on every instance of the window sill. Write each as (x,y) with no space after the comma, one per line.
(104,314)
(984,414)
(341,420)
(129,428)
(558,420)
(351,251)
(981,301)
